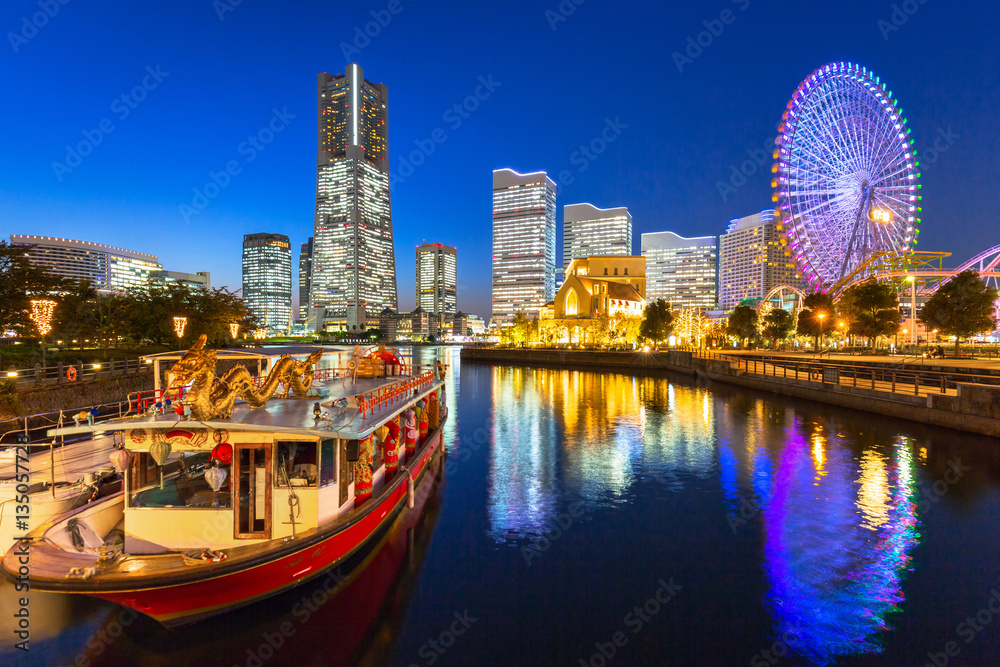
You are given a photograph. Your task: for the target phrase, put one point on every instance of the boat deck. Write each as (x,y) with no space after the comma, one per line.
(350,409)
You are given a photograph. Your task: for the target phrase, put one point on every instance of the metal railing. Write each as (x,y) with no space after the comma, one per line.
(884,378)
(60,373)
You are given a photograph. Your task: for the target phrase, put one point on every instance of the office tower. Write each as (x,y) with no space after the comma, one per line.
(305,274)
(679,270)
(589,231)
(524,243)
(267,279)
(753,260)
(106,267)
(437,281)
(354,266)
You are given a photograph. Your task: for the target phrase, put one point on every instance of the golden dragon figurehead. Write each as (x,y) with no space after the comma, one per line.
(195,361)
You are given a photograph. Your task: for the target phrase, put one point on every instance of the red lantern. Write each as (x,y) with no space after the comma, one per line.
(223,453)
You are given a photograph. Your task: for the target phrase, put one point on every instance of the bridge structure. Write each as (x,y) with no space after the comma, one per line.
(915,274)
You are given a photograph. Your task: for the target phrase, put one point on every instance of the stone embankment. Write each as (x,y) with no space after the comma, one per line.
(68,396)
(965,406)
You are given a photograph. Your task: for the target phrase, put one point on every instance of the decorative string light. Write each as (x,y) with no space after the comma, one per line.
(234,329)
(260,334)
(41,315)
(179,324)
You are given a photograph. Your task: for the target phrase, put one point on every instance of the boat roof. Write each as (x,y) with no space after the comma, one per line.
(357,417)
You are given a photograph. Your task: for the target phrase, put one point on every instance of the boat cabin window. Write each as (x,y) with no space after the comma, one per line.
(328,463)
(296,464)
(183,486)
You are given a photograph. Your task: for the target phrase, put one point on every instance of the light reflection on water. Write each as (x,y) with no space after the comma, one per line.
(838,519)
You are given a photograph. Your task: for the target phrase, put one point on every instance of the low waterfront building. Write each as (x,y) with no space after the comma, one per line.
(200,280)
(107,268)
(595,287)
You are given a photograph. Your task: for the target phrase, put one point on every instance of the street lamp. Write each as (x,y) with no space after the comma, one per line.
(820,316)
(41,317)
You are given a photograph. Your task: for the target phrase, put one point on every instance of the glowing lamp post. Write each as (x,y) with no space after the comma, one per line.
(179,324)
(41,317)
(821,316)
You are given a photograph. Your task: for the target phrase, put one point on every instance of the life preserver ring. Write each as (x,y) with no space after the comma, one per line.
(71,373)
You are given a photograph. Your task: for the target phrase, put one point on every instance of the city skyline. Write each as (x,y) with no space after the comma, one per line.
(454,128)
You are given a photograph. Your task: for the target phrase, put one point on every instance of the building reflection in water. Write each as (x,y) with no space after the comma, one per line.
(838,517)
(571,434)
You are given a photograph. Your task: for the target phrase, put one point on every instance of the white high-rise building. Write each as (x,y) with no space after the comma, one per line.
(437,281)
(589,231)
(524,243)
(753,260)
(107,268)
(679,270)
(353,262)
(267,279)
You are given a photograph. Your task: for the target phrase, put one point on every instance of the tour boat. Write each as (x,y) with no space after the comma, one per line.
(235,491)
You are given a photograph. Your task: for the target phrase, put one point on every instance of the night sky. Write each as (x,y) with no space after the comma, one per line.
(217,71)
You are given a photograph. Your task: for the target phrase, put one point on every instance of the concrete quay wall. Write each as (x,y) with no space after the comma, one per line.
(975,409)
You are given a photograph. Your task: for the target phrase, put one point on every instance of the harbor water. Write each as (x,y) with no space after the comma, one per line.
(589,518)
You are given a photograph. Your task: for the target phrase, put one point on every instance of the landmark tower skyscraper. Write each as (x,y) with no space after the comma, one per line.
(353,261)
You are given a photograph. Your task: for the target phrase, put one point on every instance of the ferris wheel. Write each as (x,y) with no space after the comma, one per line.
(845,183)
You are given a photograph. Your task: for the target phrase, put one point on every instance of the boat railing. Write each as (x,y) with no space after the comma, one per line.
(372,401)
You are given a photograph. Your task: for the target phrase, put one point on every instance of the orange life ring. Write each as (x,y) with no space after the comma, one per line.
(71,373)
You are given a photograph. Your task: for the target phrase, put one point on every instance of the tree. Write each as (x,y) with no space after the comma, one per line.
(778,323)
(518,331)
(818,316)
(742,323)
(962,307)
(871,309)
(657,322)
(20,282)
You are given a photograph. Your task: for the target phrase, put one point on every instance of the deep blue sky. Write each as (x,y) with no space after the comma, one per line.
(685,130)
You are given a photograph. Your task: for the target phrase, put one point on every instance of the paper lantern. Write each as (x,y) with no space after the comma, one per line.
(160,450)
(121,458)
(216,477)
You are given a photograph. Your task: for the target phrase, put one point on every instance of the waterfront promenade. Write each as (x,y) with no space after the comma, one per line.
(955,397)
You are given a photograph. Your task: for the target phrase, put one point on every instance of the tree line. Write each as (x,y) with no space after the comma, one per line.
(962,307)
(114,319)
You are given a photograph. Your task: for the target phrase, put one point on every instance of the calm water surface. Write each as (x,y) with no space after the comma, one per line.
(602,519)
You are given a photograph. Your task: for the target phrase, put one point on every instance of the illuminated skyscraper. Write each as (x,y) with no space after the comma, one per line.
(437,281)
(267,279)
(589,231)
(305,276)
(753,260)
(680,271)
(524,243)
(353,265)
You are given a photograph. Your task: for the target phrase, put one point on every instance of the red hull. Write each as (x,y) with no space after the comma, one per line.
(186,603)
